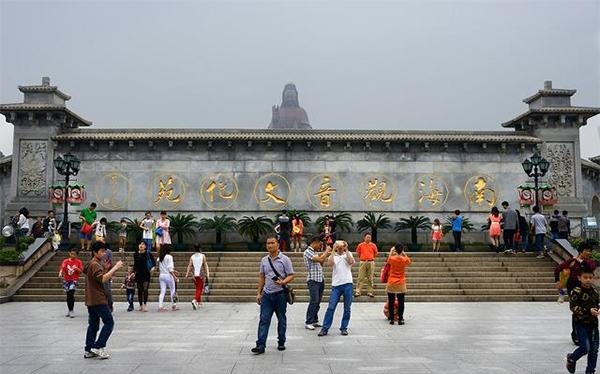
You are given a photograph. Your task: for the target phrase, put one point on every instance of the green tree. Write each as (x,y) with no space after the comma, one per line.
(413,223)
(343,222)
(183,225)
(252,228)
(219,224)
(373,223)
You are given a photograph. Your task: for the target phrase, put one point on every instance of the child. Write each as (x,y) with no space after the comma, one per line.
(129,285)
(198,261)
(122,235)
(436,234)
(563,278)
(101,230)
(69,272)
(584,305)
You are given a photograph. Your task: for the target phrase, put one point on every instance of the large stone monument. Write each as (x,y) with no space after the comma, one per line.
(290,165)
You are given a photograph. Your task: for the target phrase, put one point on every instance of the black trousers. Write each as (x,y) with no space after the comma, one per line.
(457,244)
(71,300)
(509,239)
(143,287)
(391,300)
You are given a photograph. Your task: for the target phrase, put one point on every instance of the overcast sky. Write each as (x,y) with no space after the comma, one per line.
(406,65)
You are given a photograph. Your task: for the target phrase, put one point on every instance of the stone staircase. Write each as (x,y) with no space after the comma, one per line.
(440,277)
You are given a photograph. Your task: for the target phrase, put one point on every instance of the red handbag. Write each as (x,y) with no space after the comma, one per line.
(385,273)
(86,228)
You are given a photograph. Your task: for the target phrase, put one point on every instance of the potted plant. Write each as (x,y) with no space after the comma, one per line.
(413,223)
(372,223)
(181,226)
(253,228)
(219,224)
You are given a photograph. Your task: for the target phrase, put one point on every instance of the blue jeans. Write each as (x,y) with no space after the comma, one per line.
(269,304)
(334,298)
(130,295)
(588,344)
(539,242)
(95,314)
(315,291)
(457,237)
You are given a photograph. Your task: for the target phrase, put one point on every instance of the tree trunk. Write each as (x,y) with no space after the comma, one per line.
(374,235)
(218,237)
(413,236)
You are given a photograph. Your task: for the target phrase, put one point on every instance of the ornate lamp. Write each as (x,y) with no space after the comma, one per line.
(536,166)
(527,166)
(66,165)
(59,164)
(544,166)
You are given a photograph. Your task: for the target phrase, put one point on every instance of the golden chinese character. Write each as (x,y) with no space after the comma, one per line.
(164,192)
(376,190)
(482,193)
(324,192)
(434,195)
(221,187)
(269,188)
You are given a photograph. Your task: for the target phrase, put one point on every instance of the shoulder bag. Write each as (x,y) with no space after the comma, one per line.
(289,291)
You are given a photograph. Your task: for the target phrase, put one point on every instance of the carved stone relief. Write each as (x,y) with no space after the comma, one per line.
(560,176)
(32,167)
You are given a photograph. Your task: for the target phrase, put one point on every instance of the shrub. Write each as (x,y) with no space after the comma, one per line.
(9,255)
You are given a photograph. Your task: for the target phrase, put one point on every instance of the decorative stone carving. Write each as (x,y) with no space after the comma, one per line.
(33,157)
(560,176)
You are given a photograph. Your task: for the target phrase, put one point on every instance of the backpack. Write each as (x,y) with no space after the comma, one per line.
(563,224)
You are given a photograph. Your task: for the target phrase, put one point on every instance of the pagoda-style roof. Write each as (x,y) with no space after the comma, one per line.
(586,112)
(45,88)
(296,135)
(549,92)
(10,110)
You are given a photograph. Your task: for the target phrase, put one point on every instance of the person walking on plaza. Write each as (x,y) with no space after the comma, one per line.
(297,232)
(200,266)
(147,225)
(553,223)
(69,272)
(457,226)
(162,231)
(494,228)
(142,274)
(584,303)
(341,285)
(510,222)
(275,273)
(367,253)
(436,234)
(396,284)
(564,226)
(97,303)
(284,230)
(129,286)
(538,226)
(167,277)
(314,280)
(574,266)
(107,262)
(88,217)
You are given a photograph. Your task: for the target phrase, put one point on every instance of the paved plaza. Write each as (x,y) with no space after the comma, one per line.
(437,338)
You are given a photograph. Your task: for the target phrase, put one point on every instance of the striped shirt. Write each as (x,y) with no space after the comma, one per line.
(314,270)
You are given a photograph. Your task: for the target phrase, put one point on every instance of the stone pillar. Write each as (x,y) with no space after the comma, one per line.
(42,115)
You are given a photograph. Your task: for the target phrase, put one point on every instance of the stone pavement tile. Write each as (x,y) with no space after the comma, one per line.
(176,368)
(20,369)
(377,367)
(305,367)
(90,366)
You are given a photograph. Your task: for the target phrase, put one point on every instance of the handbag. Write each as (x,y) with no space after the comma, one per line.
(159,231)
(206,290)
(86,228)
(290,295)
(385,273)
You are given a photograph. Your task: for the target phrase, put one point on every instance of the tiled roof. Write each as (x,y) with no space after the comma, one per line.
(550,92)
(296,135)
(588,111)
(23,107)
(44,88)
(590,164)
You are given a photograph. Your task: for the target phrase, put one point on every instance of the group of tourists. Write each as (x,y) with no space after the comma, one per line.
(293,228)
(276,272)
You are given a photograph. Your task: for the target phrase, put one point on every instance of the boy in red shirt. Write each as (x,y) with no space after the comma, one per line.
(367,252)
(69,272)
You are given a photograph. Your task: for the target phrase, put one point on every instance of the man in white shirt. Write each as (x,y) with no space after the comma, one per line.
(341,284)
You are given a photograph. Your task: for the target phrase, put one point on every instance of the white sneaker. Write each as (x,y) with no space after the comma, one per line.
(100,353)
(540,256)
(309,327)
(194,304)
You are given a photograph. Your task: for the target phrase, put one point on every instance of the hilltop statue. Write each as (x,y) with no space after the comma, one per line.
(289,115)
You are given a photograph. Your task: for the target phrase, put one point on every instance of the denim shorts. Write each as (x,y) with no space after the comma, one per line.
(85,236)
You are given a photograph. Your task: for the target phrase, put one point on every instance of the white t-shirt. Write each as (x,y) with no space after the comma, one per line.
(166,266)
(539,223)
(148,224)
(100,230)
(197,260)
(23,222)
(342,270)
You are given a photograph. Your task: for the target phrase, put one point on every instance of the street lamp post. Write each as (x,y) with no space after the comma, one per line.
(67,165)
(536,166)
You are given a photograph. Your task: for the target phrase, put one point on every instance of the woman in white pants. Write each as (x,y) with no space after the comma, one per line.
(167,277)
